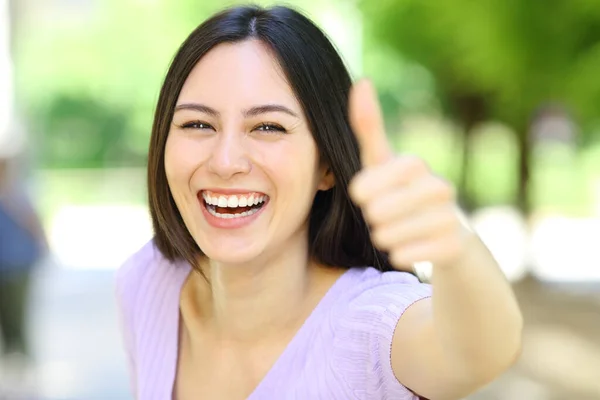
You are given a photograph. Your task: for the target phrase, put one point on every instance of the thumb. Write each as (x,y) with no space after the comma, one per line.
(367,123)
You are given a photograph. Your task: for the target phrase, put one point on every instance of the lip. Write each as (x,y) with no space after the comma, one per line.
(230,223)
(228,191)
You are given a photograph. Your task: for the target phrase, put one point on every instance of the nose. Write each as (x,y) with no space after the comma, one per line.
(229,157)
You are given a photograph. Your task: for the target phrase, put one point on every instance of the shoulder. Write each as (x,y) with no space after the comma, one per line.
(373,288)
(135,268)
(147,291)
(143,274)
(367,316)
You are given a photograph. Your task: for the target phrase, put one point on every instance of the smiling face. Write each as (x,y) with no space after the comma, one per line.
(241,163)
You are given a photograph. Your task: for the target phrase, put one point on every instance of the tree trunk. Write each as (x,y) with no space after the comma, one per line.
(464,190)
(471,110)
(523,195)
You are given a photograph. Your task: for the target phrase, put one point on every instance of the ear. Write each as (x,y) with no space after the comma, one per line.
(327,180)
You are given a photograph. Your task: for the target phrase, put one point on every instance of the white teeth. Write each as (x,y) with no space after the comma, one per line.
(232,201)
(228,216)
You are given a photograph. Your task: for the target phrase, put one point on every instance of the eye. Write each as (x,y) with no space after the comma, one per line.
(196,125)
(270,128)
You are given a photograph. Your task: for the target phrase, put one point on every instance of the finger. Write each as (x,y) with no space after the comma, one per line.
(402,202)
(438,222)
(367,123)
(398,171)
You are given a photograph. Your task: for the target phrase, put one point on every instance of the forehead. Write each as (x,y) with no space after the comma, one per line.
(238,73)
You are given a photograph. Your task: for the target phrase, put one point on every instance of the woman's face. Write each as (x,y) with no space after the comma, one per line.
(241,163)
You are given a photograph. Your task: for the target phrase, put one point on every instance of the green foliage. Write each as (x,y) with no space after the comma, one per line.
(86,133)
(501,61)
(89,88)
(88,85)
(517,54)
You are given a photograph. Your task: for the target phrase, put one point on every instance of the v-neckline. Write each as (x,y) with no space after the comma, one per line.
(288,351)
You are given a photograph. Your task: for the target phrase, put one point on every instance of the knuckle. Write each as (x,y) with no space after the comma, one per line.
(442,189)
(412,164)
(397,258)
(379,238)
(418,164)
(356,189)
(370,212)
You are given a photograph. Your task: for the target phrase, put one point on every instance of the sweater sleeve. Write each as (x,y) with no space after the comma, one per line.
(363,341)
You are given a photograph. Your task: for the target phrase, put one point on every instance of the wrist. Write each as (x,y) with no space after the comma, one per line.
(425,270)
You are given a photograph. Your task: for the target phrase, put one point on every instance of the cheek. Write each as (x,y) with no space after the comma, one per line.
(170,160)
(181,160)
(296,168)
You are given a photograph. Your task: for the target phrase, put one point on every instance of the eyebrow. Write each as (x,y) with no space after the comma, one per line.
(251,112)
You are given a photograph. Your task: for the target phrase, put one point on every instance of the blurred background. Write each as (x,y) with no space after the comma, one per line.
(501,97)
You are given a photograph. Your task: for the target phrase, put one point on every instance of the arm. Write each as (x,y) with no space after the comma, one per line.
(468,333)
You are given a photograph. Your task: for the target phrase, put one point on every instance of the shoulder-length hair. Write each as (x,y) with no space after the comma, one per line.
(338,233)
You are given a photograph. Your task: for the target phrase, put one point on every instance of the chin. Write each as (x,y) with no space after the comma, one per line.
(231,252)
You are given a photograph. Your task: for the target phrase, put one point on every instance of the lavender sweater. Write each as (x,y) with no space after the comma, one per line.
(341,352)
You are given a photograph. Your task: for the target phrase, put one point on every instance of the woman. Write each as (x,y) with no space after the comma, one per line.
(268,276)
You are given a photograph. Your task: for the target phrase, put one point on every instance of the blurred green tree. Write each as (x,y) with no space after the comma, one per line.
(88,79)
(94,78)
(499,60)
(86,134)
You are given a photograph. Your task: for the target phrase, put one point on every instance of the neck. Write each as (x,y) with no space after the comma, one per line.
(250,302)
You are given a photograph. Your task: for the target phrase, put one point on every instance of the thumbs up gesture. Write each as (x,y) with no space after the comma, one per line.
(412,212)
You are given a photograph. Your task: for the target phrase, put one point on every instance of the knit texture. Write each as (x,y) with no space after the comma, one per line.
(342,351)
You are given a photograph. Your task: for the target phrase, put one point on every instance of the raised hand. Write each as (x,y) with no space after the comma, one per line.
(411,211)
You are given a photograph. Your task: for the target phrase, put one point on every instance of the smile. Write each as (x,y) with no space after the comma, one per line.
(233,206)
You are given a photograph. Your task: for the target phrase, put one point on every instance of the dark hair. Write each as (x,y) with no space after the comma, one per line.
(338,233)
